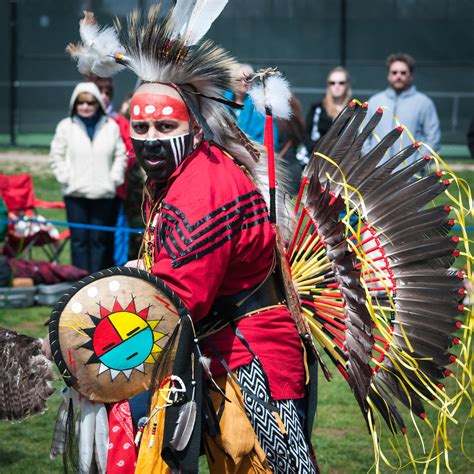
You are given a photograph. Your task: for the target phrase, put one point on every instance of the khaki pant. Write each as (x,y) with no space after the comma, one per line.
(235,451)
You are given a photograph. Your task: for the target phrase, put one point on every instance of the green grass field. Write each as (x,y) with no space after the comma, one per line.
(340,436)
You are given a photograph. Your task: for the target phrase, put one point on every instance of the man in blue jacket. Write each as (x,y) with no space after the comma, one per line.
(414,110)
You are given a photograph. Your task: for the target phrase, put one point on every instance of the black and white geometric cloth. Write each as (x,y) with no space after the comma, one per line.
(287,453)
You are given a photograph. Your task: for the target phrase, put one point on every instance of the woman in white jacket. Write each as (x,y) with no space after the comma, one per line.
(88,159)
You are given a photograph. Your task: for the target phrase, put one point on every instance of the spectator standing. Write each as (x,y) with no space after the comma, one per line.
(321,114)
(88,159)
(414,110)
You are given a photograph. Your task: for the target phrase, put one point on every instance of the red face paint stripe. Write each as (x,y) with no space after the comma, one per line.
(158,107)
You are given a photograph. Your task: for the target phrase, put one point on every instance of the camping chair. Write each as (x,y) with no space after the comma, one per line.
(18,195)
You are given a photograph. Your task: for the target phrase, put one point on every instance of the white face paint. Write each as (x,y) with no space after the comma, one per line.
(150,109)
(168,110)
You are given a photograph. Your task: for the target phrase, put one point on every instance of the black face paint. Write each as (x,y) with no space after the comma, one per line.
(159,158)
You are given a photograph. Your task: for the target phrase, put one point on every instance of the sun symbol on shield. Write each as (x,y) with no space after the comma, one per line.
(122,340)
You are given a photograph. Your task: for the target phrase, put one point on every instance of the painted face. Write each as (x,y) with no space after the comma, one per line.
(399,76)
(160,130)
(86,105)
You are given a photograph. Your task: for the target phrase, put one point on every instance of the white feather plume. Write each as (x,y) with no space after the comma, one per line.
(275,95)
(192,19)
(88,32)
(95,52)
(181,16)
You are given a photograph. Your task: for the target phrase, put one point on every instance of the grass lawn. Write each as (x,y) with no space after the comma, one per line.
(340,436)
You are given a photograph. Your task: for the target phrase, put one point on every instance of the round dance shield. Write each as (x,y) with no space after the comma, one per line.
(107,332)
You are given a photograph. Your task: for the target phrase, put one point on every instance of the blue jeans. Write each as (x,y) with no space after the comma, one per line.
(91,249)
(121,237)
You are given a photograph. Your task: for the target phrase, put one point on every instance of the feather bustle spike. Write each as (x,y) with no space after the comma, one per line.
(358,338)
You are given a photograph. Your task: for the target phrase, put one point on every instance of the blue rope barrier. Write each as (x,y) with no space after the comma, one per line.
(130,230)
(76,225)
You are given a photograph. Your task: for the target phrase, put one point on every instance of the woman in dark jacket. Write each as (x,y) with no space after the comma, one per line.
(322,114)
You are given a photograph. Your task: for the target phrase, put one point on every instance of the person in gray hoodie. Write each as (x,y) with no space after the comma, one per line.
(88,159)
(414,110)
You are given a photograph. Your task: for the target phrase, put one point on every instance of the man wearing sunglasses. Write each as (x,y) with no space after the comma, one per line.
(403,102)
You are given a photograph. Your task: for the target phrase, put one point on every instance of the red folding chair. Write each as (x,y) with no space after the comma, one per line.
(18,195)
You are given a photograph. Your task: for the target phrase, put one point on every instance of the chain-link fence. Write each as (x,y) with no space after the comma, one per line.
(303,38)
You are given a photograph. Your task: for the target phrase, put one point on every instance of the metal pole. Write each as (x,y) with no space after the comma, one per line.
(343,33)
(13,69)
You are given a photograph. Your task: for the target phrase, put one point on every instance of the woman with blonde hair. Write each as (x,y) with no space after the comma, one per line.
(322,114)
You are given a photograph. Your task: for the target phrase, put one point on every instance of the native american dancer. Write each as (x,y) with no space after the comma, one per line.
(364,269)
(209,239)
